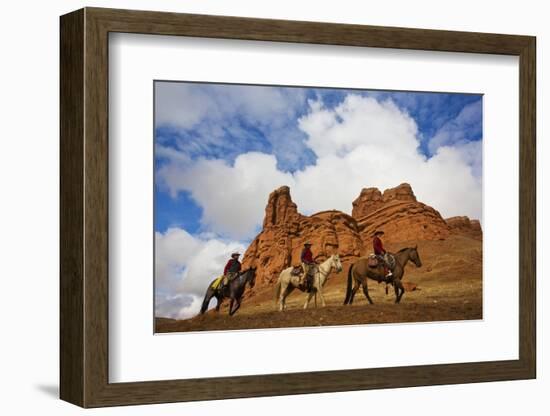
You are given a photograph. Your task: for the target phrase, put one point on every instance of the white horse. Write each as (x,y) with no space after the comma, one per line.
(287,282)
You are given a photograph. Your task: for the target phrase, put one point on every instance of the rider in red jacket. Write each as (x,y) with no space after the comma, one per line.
(307,254)
(231,269)
(308,264)
(380,251)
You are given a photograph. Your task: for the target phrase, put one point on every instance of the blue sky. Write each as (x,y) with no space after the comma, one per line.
(224,132)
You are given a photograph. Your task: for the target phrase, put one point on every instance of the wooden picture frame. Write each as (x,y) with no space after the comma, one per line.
(84,207)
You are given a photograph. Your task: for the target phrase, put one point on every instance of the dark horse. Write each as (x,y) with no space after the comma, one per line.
(234,290)
(360,271)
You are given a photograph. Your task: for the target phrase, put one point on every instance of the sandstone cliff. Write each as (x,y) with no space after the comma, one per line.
(285,231)
(396,211)
(398,214)
(465,226)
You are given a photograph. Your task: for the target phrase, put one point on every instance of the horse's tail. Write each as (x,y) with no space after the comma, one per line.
(278,289)
(206,300)
(348,289)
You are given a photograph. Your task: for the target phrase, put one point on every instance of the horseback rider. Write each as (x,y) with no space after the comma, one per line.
(381,253)
(308,265)
(231,270)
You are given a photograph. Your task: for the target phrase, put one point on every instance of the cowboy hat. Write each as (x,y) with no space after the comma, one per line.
(235,254)
(379,232)
(307,243)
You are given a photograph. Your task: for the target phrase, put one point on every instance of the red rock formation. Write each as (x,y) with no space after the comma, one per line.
(285,231)
(465,226)
(396,211)
(369,200)
(404,221)
(280,209)
(399,215)
(402,192)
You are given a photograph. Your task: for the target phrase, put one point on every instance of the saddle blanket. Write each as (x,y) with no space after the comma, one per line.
(217,282)
(373,260)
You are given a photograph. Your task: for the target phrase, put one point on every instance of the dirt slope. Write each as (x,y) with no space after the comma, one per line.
(448,287)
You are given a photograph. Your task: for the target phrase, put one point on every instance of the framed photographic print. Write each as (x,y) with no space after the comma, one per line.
(255,207)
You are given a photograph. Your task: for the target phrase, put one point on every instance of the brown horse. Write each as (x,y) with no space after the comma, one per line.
(359,272)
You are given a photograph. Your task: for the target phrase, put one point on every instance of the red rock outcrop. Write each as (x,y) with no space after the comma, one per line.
(369,200)
(399,215)
(396,211)
(285,231)
(465,226)
(404,221)
(280,209)
(402,192)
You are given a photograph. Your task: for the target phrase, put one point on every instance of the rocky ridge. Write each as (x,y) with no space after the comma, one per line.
(396,211)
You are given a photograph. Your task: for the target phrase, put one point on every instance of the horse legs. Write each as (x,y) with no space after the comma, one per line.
(399,290)
(218,303)
(356,285)
(237,306)
(319,290)
(309,296)
(323,303)
(282,296)
(366,292)
(289,290)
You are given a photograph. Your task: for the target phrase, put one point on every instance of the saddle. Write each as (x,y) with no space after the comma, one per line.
(296,271)
(374,260)
(307,283)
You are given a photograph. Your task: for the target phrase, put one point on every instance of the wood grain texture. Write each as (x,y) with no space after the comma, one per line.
(96,220)
(71,184)
(84,207)
(527,208)
(225,27)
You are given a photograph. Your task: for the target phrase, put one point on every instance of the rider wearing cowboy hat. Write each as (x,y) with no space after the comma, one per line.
(307,263)
(381,252)
(231,269)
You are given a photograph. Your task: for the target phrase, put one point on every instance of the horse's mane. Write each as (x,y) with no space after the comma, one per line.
(403,249)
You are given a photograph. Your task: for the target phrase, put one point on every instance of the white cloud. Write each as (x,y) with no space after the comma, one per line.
(180,104)
(221,118)
(472,154)
(184,266)
(360,143)
(375,144)
(180,306)
(356,122)
(184,105)
(232,197)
